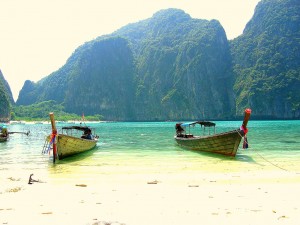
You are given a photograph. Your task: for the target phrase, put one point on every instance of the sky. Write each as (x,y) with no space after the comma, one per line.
(38,36)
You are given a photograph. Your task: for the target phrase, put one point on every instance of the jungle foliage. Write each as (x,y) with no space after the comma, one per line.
(40,112)
(267,61)
(6,99)
(157,69)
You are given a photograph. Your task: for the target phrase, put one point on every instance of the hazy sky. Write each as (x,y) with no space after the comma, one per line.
(38,36)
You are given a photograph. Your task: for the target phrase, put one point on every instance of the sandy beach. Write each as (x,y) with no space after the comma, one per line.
(145,179)
(270,197)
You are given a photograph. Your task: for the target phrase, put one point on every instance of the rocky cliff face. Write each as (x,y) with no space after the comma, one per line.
(167,67)
(174,67)
(267,61)
(6,99)
(102,82)
(97,79)
(183,69)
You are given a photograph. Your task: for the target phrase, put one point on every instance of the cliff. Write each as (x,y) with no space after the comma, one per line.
(6,99)
(174,67)
(267,61)
(158,69)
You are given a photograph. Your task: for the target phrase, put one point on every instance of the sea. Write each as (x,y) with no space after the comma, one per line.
(140,148)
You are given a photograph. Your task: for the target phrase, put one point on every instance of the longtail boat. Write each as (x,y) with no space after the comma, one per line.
(4,135)
(72,140)
(225,143)
(3,139)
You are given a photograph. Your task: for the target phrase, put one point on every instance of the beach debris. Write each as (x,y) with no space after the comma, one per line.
(47,213)
(255,210)
(16,189)
(107,223)
(282,217)
(193,185)
(33,180)
(13,179)
(153,182)
(81,185)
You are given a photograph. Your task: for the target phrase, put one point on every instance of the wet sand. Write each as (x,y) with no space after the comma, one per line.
(254,197)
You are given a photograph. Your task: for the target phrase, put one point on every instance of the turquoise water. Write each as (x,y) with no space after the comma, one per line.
(149,148)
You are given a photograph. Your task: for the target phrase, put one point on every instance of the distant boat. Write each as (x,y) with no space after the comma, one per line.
(17,122)
(225,143)
(72,140)
(3,139)
(4,135)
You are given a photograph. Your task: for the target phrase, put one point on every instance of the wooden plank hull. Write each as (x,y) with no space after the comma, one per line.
(69,145)
(3,139)
(224,143)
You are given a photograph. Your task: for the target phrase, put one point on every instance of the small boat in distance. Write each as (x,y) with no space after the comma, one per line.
(225,143)
(3,139)
(72,140)
(4,135)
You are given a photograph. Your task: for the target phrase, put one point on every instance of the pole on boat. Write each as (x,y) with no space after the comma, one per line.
(54,133)
(244,127)
(27,133)
(246,118)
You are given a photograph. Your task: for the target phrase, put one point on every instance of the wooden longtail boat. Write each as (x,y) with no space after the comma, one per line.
(4,135)
(72,140)
(3,139)
(225,143)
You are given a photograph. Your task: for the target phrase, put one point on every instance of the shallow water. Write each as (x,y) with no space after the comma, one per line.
(149,148)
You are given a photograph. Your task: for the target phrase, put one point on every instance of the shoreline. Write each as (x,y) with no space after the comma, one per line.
(254,197)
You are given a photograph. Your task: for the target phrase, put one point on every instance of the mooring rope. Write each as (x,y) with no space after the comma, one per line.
(271,162)
(265,158)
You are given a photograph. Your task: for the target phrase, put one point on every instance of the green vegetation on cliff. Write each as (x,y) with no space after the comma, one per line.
(267,60)
(6,99)
(40,112)
(167,67)
(174,67)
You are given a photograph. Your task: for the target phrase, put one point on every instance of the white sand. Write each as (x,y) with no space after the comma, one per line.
(252,198)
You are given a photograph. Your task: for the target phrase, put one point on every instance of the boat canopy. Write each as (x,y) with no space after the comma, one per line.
(76,128)
(202,123)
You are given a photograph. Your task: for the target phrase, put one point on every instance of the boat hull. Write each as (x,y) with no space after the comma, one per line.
(3,139)
(225,143)
(69,145)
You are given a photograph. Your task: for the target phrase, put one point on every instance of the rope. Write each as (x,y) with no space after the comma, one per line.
(265,158)
(271,162)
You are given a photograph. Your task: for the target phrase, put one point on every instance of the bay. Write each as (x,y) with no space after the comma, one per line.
(145,148)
